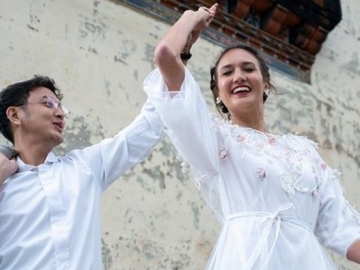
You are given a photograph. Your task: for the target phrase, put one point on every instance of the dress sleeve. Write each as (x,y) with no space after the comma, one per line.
(187,122)
(109,159)
(338,223)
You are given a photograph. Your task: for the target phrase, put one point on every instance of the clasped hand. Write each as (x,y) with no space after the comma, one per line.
(203,16)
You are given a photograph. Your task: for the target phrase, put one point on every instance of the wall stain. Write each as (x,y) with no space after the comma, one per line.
(157,175)
(93,27)
(32,28)
(126,49)
(143,183)
(95,10)
(353,64)
(92,50)
(174,166)
(106,255)
(195,210)
(136,75)
(77,135)
(149,55)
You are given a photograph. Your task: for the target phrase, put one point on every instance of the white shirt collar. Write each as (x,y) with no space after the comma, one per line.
(23,167)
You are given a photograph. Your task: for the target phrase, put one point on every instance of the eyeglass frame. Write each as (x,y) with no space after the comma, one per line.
(51,103)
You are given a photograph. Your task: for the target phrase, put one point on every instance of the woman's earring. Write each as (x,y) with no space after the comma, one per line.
(265,95)
(222,107)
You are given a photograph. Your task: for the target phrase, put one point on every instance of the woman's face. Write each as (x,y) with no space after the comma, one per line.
(240,82)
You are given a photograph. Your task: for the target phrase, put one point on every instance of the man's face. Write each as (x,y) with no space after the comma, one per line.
(42,118)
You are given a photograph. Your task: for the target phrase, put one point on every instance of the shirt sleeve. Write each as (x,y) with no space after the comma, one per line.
(187,121)
(109,159)
(338,224)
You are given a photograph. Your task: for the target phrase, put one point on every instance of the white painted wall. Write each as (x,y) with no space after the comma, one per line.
(100,51)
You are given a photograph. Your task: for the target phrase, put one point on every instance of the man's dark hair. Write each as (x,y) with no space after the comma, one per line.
(17,94)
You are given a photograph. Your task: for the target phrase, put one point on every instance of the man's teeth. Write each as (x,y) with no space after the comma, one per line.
(241,89)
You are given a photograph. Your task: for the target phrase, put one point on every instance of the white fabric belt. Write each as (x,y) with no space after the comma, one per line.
(271,219)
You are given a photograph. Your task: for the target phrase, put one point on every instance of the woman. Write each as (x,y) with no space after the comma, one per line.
(275,197)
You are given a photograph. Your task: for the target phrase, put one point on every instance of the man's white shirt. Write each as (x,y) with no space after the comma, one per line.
(50,214)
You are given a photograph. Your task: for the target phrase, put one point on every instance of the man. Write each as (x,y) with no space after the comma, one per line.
(49,209)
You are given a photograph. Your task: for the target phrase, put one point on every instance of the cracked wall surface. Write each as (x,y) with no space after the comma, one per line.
(100,51)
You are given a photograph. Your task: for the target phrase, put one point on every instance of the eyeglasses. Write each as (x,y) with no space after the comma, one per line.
(50,102)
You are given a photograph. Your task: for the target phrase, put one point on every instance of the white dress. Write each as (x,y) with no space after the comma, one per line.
(276,199)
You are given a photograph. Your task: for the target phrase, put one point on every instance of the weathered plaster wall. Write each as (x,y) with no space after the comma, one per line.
(99,52)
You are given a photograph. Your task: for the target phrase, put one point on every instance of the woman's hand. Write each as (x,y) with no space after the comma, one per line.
(7,167)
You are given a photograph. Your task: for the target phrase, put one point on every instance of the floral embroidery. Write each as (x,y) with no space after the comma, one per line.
(292,153)
(323,166)
(315,191)
(241,138)
(289,183)
(261,173)
(223,154)
(272,140)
